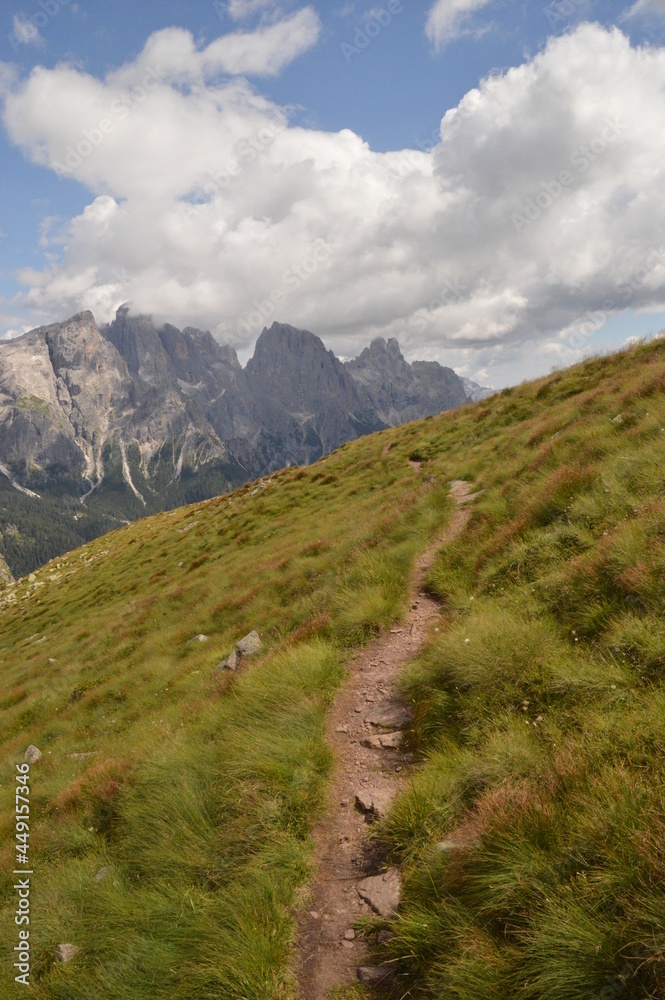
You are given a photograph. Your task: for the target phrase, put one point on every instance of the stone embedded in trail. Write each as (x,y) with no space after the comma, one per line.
(391,715)
(378,975)
(66,952)
(250,644)
(373,802)
(33,754)
(384,741)
(382,892)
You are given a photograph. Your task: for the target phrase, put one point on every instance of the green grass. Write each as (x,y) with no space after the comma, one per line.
(540,708)
(202,790)
(539,712)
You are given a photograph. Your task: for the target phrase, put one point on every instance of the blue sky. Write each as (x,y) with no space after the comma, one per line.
(391,87)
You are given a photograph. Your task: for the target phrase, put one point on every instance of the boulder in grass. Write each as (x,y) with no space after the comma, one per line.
(378,975)
(246,646)
(249,645)
(198,638)
(33,754)
(66,952)
(230,663)
(104,873)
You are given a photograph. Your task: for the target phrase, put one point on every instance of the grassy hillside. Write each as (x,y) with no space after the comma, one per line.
(200,789)
(541,708)
(540,712)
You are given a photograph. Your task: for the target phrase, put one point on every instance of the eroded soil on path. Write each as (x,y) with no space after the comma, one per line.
(367,706)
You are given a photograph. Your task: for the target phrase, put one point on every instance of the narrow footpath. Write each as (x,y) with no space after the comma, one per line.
(365,733)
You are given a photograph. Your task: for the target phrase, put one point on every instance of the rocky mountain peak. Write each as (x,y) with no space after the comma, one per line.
(401,391)
(136,340)
(382,351)
(295,368)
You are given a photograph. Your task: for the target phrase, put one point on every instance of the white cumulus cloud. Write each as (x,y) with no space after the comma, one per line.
(538,215)
(448,19)
(646,7)
(239,9)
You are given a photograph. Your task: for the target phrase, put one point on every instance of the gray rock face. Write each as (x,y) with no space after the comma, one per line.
(72,402)
(135,419)
(305,395)
(400,391)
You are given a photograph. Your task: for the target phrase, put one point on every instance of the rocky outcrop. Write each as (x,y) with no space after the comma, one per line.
(400,391)
(5,572)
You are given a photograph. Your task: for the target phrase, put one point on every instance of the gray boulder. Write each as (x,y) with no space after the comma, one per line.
(378,975)
(382,892)
(33,754)
(247,646)
(374,802)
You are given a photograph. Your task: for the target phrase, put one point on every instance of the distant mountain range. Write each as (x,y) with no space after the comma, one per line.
(100,425)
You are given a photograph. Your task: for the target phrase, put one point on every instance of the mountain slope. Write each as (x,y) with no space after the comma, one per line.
(532,838)
(130,419)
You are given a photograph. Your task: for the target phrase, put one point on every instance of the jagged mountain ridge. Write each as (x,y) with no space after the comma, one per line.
(131,418)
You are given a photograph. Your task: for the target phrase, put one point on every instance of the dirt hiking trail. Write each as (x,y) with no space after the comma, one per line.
(364,732)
